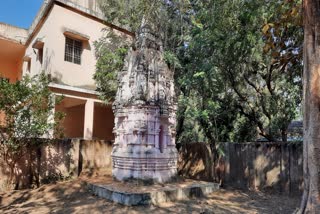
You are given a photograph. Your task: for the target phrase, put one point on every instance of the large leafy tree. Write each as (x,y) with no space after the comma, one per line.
(237,69)
(27,114)
(233,73)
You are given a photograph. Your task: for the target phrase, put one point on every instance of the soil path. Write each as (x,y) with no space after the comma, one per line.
(73,197)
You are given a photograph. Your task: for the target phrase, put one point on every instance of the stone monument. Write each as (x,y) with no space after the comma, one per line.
(145,113)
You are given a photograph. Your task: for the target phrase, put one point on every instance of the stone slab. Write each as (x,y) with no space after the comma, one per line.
(151,195)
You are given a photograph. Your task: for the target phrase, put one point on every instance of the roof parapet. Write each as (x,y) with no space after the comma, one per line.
(44,7)
(71,3)
(12,33)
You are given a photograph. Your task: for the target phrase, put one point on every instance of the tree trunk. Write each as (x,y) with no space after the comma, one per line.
(11,179)
(311,94)
(284,135)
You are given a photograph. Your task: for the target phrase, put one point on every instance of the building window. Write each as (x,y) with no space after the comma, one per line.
(40,55)
(29,66)
(73,50)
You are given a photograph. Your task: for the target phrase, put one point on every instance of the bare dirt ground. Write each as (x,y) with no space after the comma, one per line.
(73,197)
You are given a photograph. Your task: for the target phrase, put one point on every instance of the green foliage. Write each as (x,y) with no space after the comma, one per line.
(237,63)
(112,48)
(26,115)
(126,13)
(237,85)
(163,14)
(55,177)
(283,33)
(172,60)
(110,51)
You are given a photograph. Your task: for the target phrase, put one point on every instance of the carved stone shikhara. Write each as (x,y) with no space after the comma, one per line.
(145,114)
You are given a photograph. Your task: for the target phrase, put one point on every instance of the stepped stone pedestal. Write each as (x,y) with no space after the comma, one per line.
(130,195)
(145,114)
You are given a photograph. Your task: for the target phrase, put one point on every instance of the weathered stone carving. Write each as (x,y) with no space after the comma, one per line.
(144,111)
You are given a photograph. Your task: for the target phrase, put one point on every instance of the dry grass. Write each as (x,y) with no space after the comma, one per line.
(73,197)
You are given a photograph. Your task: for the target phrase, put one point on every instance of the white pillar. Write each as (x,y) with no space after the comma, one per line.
(50,120)
(88,120)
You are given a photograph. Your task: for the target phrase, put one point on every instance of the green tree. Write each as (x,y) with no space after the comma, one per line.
(111,50)
(26,115)
(237,64)
(229,69)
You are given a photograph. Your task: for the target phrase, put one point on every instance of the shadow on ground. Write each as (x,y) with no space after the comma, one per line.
(73,197)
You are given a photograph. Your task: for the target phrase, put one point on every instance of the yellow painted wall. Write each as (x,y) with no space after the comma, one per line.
(11,54)
(103,122)
(73,122)
(10,68)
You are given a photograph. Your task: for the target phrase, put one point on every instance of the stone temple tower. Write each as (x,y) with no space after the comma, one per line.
(145,113)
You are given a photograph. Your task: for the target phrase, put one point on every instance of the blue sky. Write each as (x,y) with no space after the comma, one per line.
(19,13)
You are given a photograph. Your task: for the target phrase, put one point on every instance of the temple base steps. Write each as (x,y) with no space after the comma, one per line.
(131,194)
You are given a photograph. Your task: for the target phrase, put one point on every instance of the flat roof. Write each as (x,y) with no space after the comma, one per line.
(13,33)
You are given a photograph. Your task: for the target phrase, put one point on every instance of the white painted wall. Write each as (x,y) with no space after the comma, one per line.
(52,34)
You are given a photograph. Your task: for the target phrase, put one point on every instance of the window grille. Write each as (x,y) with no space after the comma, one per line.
(73,50)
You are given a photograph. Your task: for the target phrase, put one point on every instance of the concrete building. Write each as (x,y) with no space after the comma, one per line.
(60,42)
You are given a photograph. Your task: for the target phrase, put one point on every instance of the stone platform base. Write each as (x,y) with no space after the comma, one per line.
(131,195)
